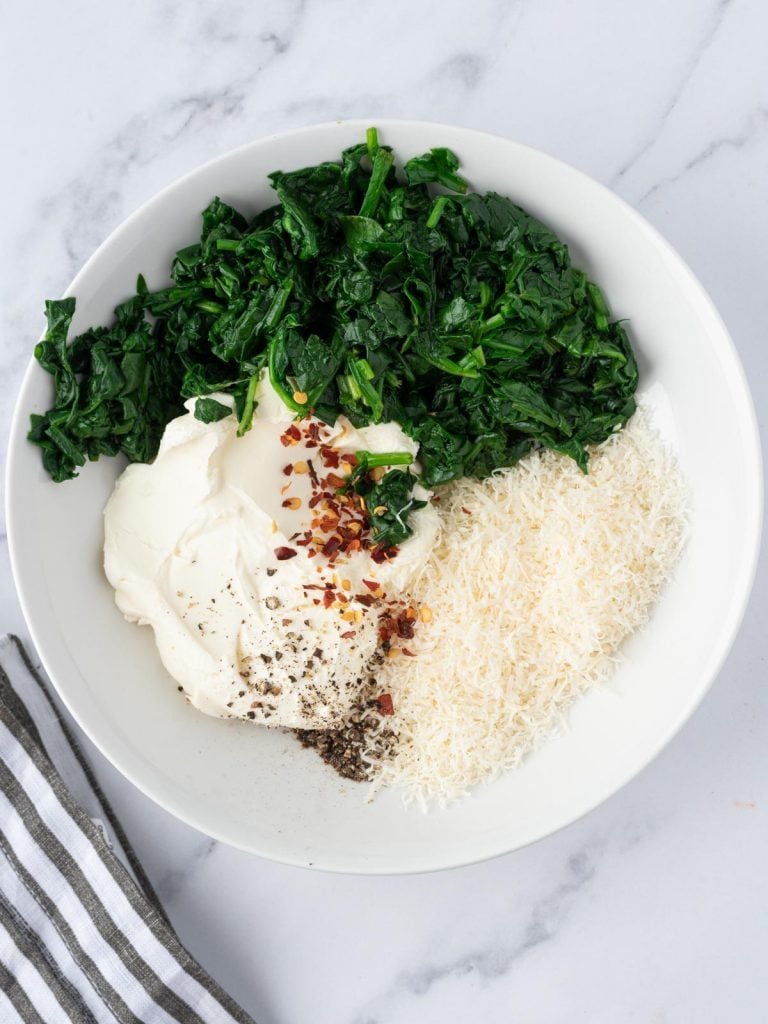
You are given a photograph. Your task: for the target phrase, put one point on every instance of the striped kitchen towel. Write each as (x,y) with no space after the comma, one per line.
(82,934)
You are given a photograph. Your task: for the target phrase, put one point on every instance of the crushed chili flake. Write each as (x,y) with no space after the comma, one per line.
(466,511)
(283,553)
(371,584)
(380,554)
(349,634)
(410,654)
(386,707)
(331,546)
(288,469)
(405,628)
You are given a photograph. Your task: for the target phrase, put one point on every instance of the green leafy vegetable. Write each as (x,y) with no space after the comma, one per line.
(366,461)
(208,410)
(390,500)
(459,316)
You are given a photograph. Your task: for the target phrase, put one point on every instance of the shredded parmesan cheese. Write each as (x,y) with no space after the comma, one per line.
(539,573)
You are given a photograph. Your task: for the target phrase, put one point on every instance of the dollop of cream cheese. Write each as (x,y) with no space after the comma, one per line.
(190,549)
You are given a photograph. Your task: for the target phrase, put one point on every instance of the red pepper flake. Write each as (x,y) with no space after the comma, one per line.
(386,707)
(294,432)
(466,511)
(380,554)
(330,457)
(287,622)
(408,653)
(371,584)
(387,627)
(288,469)
(349,634)
(282,554)
(365,599)
(350,459)
(405,628)
(328,598)
(331,546)
(335,481)
(312,474)
(315,500)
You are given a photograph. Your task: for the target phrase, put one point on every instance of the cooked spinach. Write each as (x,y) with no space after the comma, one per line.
(390,503)
(458,315)
(389,499)
(208,410)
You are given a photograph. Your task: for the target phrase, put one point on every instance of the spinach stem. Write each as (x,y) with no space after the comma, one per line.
(437,211)
(382,163)
(372,141)
(493,322)
(277,306)
(250,404)
(372,460)
(362,374)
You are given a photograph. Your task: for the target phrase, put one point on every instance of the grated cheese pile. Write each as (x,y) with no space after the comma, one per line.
(531,595)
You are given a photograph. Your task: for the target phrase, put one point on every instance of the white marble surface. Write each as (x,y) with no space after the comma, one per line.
(654,908)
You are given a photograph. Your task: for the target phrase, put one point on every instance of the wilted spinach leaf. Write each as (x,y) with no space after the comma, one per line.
(459,316)
(208,410)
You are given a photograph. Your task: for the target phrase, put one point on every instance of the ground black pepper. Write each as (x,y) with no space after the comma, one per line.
(343,748)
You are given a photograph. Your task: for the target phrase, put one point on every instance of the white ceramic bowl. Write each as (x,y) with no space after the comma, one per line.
(259,790)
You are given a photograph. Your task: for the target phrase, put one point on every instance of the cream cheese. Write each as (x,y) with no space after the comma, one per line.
(190,548)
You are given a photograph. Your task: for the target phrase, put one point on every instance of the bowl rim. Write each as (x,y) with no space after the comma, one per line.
(752,534)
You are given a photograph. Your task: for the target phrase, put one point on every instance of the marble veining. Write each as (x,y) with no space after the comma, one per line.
(652,909)
(506,952)
(687,72)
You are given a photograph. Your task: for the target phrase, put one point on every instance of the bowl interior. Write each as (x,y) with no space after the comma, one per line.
(258,789)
